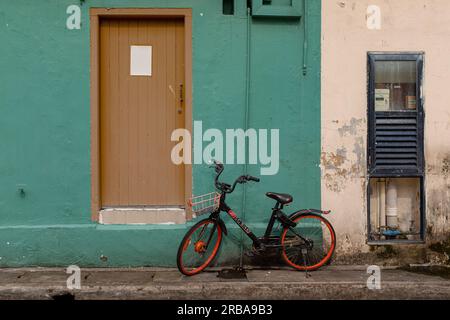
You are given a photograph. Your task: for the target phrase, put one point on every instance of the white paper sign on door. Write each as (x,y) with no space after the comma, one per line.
(141,61)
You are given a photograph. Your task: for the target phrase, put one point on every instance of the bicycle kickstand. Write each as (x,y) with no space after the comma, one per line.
(307,274)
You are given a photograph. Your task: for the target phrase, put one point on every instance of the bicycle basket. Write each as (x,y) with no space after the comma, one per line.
(205,203)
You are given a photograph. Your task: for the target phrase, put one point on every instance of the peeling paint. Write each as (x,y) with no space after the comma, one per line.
(351,128)
(338,167)
(334,160)
(360,152)
(446,167)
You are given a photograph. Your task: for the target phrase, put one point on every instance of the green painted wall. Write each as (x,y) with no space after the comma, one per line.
(45,124)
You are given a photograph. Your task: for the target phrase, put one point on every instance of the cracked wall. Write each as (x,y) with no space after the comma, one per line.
(406,25)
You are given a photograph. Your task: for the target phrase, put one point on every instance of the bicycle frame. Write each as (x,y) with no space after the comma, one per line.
(277,214)
(242,225)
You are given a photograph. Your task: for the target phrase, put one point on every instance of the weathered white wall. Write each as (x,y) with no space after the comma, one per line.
(406,25)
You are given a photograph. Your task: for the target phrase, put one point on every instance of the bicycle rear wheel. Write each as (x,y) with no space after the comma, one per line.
(310,244)
(199,247)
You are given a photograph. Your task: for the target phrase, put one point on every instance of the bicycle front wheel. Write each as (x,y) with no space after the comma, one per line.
(310,244)
(199,247)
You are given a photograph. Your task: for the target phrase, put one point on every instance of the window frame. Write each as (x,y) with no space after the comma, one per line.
(422,207)
(373,57)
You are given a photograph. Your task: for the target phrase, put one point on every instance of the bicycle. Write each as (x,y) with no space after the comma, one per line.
(307,241)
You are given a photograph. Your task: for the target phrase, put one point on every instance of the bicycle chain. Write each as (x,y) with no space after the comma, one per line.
(247,247)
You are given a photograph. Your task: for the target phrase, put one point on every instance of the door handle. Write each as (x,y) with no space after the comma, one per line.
(181,94)
(180,107)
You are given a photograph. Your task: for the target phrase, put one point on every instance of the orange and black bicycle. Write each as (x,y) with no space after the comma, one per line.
(306,242)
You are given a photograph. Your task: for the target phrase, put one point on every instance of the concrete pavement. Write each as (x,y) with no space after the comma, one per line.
(332,282)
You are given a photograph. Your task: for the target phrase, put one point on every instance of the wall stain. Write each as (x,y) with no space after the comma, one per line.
(440,167)
(360,152)
(339,167)
(437,213)
(442,247)
(446,167)
(437,219)
(351,128)
(332,161)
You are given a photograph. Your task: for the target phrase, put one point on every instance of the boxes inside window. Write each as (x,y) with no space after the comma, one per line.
(410,102)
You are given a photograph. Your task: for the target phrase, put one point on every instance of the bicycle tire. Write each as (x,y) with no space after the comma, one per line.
(305,266)
(187,241)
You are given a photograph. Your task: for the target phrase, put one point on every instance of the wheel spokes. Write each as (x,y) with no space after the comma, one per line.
(198,250)
(315,245)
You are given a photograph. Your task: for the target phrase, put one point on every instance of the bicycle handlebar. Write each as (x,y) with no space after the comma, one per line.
(225,187)
(251,178)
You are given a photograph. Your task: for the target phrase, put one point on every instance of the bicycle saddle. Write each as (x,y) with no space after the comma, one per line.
(280,197)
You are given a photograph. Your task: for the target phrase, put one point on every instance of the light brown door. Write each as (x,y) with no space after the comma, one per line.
(139,112)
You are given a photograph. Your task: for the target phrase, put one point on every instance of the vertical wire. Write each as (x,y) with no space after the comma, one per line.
(305,38)
(246,125)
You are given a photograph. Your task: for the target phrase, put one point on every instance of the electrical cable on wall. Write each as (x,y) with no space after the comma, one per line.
(246,125)
(305,38)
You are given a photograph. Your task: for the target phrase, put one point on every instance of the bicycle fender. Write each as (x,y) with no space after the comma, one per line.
(309,211)
(222,226)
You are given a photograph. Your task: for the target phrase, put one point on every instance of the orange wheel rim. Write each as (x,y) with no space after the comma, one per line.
(210,258)
(186,244)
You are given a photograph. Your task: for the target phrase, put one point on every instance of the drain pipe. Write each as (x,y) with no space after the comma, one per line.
(305,38)
(246,125)
(391,205)
(381,204)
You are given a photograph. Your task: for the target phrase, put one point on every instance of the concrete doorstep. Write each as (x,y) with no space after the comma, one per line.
(332,282)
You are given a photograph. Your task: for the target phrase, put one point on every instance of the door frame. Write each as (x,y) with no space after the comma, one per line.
(95,14)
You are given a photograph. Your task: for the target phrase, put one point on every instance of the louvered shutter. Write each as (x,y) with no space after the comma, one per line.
(396,145)
(395,138)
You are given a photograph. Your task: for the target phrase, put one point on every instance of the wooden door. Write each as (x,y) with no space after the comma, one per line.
(139,112)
